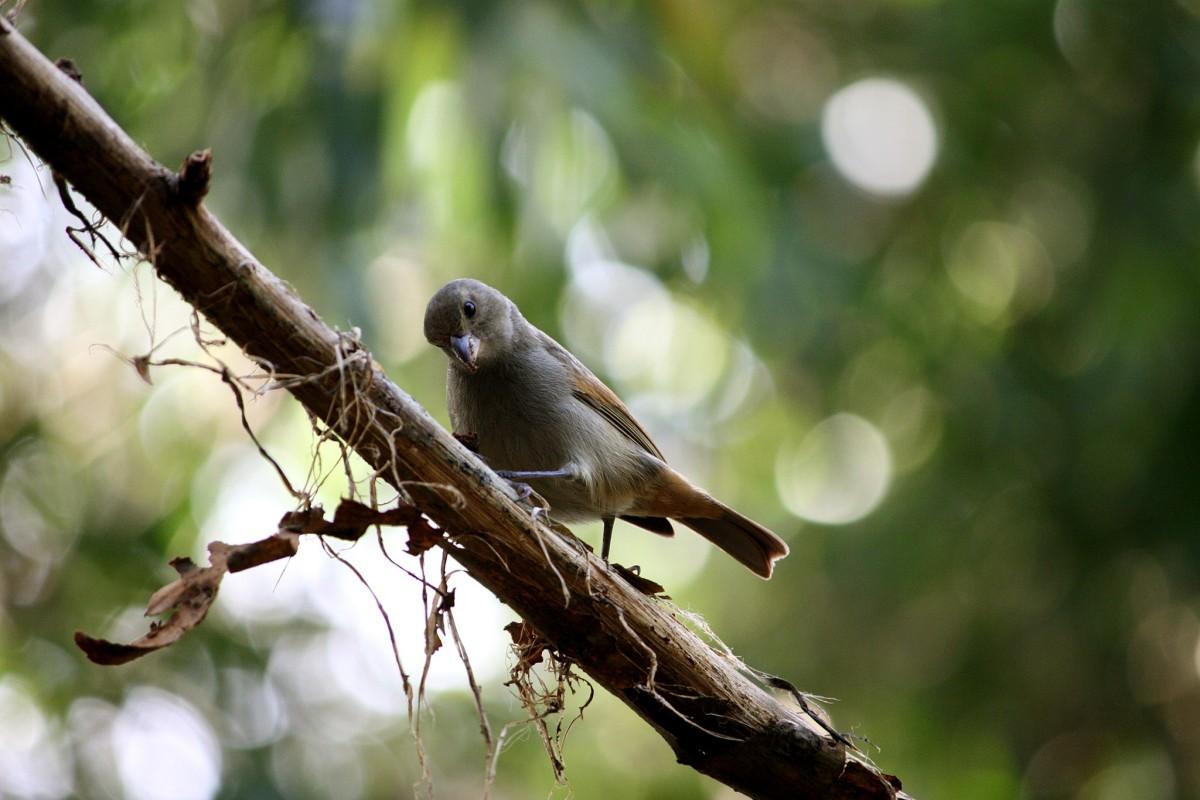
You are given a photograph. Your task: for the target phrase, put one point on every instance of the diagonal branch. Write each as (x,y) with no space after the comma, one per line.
(714,716)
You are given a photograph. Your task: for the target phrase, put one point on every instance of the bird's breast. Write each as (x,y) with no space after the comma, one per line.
(517,418)
(531,421)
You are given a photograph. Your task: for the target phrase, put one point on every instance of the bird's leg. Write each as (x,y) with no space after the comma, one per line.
(522,475)
(608,528)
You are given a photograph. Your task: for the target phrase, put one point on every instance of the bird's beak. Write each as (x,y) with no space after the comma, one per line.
(465,349)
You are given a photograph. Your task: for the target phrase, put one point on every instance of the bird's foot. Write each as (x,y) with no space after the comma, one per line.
(526,495)
(524,490)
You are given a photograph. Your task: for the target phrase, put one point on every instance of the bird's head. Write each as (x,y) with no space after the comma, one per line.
(472,322)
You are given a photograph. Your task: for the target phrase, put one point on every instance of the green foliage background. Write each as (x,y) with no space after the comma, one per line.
(1018,616)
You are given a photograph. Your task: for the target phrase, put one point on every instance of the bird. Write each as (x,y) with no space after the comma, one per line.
(538,416)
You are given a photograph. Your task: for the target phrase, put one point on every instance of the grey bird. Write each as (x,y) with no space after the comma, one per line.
(541,417)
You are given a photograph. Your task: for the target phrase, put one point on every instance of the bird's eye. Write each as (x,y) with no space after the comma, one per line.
(469,309)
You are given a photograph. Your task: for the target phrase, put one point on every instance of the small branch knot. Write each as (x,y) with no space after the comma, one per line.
(191,184)
(68,68)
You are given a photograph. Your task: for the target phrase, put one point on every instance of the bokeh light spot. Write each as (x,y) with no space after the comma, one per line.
(838,473)
(565,161)
(33,760)
(995,266)
(399,288)
(650,342)
(913,423)
(1146,775)
(164,748)
(25,219)
(880,136)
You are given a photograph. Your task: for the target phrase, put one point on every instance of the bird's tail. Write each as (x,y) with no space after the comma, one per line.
(744,539)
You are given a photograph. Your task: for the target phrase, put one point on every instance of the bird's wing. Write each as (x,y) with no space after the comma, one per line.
(591,391)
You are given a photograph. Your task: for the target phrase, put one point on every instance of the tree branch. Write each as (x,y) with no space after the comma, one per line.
(716,719)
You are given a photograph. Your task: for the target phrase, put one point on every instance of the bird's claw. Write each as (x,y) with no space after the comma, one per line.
(525,494)
(524,490)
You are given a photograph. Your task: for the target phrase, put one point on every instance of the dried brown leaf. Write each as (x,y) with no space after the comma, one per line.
(435,624)
(306,520)
(352,519)
(142,365)
(189,596)
(421,536)
(528,645)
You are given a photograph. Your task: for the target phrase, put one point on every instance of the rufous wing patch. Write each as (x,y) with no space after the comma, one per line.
(592,392)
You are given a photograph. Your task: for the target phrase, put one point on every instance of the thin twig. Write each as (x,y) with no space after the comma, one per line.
(485,727)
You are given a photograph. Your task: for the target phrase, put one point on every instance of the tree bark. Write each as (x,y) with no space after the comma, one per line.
(716,719)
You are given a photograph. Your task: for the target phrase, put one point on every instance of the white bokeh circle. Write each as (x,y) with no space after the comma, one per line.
(880,136)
